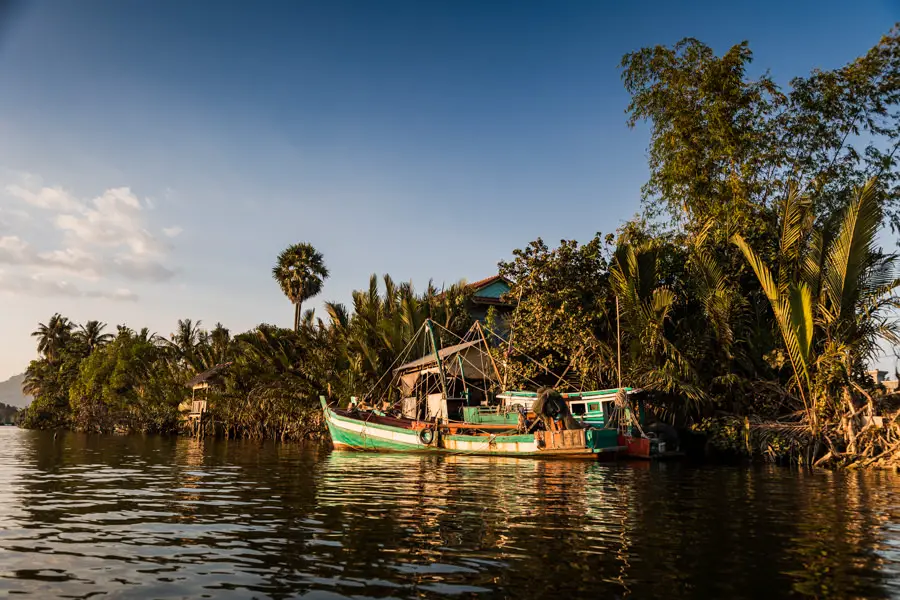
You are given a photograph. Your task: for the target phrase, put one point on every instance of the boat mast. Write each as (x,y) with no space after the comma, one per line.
(621,397)
(440,365)
(487,350)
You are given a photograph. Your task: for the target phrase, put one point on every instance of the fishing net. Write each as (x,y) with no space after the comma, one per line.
(550,405)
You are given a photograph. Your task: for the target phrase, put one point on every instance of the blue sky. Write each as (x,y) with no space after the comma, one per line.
(156,156)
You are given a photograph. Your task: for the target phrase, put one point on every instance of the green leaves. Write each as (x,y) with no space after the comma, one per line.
(833,292)
(852,252)
(564,316)
(723,146)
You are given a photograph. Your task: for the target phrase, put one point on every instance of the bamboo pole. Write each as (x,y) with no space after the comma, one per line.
(618,343)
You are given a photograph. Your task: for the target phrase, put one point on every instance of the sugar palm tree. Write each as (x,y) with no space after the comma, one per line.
(53,336)
(91,334)
(300,271)
(831,293)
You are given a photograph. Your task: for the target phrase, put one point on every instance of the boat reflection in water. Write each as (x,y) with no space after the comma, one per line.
(143,516)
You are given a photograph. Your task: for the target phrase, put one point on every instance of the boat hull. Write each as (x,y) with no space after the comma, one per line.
(357,434)
(350,433)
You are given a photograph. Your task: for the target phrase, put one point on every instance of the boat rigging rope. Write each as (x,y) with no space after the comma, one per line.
(499,337)
(390,368)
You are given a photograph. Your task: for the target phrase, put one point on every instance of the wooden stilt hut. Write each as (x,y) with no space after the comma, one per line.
(200,385)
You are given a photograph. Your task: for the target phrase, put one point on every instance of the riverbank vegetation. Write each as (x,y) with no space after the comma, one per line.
(749,296)
(135,380)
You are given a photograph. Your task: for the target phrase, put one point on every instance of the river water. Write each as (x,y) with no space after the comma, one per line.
(149,517)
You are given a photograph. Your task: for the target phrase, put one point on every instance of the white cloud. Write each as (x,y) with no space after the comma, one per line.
(13,250)
(11,219)
(102,239)
(111,219)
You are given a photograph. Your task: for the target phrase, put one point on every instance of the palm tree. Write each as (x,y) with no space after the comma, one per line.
(91,334)
(300,271)
(652,359)
(34,376)
(184,342)
(53,336)
(831,295)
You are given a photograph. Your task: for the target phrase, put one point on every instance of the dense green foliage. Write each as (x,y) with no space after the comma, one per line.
(136,380)
(747,300)
(746,180)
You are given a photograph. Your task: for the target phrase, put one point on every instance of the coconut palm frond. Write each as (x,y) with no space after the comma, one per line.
(852,249)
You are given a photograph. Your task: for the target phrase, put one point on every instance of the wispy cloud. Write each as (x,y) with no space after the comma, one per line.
(14,251)
(53,198)
(37,285)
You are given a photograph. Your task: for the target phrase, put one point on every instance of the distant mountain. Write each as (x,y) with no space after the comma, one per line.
(11,392)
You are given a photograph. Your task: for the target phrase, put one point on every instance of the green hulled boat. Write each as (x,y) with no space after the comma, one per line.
(445,407)
(367,430)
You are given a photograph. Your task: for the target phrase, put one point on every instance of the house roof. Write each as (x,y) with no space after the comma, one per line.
(429,360)
(481,284)
(477,285)
(205,376)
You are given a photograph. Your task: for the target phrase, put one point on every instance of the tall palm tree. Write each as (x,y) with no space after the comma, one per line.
(91,334)
(300,271)
(831,294)
(53,336)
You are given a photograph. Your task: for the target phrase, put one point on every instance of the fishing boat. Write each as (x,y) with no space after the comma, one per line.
(366,430)
(445,407)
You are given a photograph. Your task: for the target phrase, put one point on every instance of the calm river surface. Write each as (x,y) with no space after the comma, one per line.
(148,517)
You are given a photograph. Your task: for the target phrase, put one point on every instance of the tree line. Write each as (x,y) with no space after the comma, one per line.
(747,298)
(93,380)
(8,414)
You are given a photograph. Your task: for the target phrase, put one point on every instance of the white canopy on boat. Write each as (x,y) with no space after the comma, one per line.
(476,365)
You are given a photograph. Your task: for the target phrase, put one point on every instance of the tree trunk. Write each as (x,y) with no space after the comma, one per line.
(297,317)
(850,422)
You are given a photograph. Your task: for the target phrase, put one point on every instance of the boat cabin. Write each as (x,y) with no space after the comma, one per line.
(467,369)
(594,408)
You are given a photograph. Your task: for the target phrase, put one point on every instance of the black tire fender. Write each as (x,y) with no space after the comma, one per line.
(426,436)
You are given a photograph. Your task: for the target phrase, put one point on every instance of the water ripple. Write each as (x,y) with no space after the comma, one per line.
(174,518)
